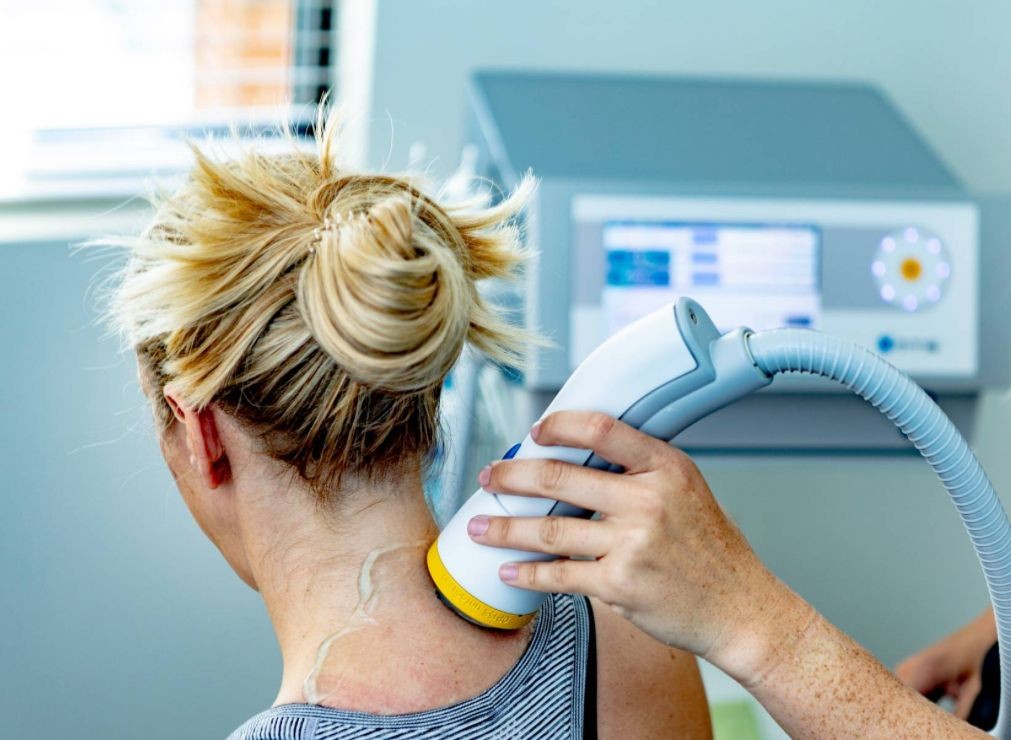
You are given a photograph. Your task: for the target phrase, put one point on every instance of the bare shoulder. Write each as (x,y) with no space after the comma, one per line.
(644,688)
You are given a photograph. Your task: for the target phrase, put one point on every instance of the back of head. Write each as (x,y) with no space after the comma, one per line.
(323,308)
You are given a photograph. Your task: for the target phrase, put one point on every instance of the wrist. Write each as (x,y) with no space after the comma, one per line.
(772,630)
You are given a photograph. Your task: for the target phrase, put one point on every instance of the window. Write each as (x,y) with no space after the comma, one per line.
(105,89)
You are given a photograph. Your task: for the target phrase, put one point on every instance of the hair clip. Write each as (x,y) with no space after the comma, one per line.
(330,225)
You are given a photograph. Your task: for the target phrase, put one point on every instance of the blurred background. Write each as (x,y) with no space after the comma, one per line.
(118,619)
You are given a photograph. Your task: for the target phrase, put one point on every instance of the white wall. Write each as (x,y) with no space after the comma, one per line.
(873,541)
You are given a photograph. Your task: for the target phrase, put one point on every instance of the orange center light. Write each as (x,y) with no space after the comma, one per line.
(911,269)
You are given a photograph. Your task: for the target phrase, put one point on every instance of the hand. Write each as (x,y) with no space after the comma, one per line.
(952,665)
(663,553)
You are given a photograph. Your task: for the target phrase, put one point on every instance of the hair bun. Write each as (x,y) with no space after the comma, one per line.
(320,306)
(385,297)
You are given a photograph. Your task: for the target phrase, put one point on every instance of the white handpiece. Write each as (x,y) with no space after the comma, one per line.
(672,362)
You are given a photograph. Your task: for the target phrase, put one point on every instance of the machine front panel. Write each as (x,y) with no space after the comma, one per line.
(896,276)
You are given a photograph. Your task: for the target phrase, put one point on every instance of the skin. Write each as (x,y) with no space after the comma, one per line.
(305,560)
(953,665)
(666,557)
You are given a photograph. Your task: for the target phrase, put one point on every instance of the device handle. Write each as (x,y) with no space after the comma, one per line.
(631,364)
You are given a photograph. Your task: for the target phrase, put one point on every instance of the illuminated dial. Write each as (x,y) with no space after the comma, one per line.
(912,268)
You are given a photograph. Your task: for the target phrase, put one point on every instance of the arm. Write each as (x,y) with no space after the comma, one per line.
(665,556)
(818,682)
(644,688)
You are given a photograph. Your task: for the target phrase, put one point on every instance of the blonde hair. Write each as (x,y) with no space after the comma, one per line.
(321,307)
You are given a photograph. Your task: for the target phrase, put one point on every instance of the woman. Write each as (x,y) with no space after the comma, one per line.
(294,322)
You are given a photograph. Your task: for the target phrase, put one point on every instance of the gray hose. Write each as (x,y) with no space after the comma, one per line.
(937,439)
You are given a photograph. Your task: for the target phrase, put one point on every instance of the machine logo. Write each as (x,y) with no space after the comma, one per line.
(888,343)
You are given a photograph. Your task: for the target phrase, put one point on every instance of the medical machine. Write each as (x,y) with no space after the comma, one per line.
(669,369)
(774,204)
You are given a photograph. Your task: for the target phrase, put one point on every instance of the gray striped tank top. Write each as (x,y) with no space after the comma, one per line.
(542,696)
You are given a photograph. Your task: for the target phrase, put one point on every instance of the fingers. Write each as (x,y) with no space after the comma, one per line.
(919,674)
(553,576)
(586,488)
(613,440)
(967,694)
(554,535)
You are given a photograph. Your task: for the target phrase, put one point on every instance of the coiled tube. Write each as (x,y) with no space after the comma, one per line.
(929,429)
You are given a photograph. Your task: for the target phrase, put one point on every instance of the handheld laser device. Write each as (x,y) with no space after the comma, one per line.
(673,367)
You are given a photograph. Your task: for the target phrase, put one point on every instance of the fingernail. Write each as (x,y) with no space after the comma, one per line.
(508,572)
(535,431)
(484,477)
(478,525)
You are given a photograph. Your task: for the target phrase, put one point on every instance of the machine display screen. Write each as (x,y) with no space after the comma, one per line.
(759,275)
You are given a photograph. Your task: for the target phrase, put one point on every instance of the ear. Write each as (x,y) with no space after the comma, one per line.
(175,404)
(207,452)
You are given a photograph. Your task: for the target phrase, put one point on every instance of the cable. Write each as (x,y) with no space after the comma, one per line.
(929,429)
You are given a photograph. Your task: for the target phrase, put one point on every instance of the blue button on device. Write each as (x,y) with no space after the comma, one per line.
(512,452)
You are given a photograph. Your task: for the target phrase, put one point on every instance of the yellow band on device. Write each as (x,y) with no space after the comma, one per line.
(472,608)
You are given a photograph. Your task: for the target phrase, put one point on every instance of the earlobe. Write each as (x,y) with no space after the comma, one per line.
(219,472)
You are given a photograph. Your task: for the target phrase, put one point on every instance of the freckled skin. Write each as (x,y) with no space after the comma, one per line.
(824,685)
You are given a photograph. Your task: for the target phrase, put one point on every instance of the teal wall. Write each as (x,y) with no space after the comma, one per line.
(118,618)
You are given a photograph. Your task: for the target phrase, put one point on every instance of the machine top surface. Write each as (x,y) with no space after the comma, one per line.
(829,137)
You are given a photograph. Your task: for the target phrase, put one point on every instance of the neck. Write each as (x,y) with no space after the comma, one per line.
(352,604)
(309,568)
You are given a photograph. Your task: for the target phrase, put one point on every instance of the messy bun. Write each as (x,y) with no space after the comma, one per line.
(385,299)
(322,307)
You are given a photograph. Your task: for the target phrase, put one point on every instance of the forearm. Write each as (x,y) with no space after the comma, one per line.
(817,682)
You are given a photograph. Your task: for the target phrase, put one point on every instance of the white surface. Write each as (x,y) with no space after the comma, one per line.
(356,47)
(475,567)
(110,62)
(72,222)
